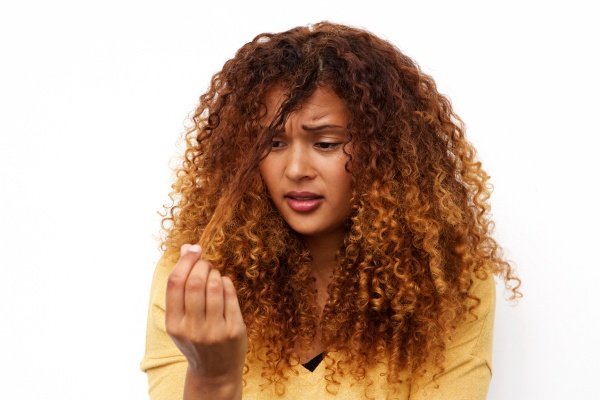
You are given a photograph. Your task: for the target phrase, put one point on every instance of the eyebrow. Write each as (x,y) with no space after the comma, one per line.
(321,127)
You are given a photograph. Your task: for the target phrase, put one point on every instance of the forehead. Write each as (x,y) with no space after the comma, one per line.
(321,103)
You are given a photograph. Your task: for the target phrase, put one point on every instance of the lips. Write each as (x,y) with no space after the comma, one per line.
(302,195)
(303,201)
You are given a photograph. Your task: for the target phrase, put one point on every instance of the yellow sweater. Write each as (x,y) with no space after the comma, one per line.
(467,368)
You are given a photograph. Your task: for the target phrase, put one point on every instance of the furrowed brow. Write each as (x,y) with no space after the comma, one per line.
(319,128)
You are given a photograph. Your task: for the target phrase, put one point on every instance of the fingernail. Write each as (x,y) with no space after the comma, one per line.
(194,248)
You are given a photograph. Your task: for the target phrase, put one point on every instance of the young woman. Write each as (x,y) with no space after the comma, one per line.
(330,233)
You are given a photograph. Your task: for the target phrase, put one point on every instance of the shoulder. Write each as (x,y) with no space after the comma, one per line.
(162,270)
(484,289)
(473,332)
(468,356)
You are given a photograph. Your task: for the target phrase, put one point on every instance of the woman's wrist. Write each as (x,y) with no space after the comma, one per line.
(198,387)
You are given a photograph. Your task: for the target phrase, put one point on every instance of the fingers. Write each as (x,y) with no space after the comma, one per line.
(199,294)
(175,296)
(195,291)
(214,298)
(232,312)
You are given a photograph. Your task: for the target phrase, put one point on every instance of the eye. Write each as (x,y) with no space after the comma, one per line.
(327,145)
(277,144)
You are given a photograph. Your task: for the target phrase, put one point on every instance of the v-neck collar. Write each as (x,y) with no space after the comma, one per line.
(311,377)
(312,364)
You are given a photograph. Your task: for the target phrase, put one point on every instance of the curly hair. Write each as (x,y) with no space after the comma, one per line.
(419,232)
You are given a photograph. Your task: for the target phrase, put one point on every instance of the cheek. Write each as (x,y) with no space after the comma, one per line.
(341,169)
(267,173)
(342,181)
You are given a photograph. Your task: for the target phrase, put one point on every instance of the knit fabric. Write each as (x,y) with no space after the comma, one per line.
(467,366)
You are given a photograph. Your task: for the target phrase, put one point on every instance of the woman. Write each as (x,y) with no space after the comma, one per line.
(342,246)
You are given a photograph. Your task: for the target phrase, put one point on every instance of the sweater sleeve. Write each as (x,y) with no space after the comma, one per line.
(468,357)
(163,363)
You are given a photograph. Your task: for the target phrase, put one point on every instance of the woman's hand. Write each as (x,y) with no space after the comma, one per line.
(204,320)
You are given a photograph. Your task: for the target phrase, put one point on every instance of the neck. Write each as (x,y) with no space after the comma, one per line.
(323,249)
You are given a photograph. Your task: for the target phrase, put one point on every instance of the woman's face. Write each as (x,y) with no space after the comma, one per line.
(305,170)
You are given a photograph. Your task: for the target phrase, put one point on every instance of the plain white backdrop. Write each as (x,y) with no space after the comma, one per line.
(93,102)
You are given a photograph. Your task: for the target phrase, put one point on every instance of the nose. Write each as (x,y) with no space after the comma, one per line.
(298,163)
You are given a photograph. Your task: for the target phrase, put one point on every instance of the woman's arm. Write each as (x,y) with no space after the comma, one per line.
(163,363)
(200,388)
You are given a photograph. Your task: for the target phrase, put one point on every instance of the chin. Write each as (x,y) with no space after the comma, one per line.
(303,231)
(311,231)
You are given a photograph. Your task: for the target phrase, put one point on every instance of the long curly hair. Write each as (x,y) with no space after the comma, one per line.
(419,232)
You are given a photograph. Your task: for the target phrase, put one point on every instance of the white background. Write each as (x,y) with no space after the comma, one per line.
(93,100)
